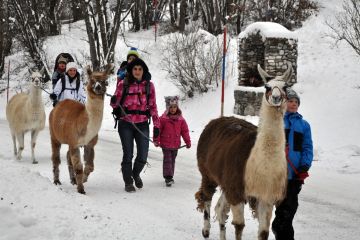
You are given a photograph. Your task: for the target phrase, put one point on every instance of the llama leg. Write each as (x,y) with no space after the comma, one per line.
(14,142)
(34,134)
(78,168)
(238,219)
(71,169)
(20,138)
(204,196)
(55,157)
(222,209)
(89,155)
(264,216)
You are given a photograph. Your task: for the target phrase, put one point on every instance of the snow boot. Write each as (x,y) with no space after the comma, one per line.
(169,182)
(129,188)
(138,182)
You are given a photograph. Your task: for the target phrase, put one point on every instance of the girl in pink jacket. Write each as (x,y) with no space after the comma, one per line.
(172,127)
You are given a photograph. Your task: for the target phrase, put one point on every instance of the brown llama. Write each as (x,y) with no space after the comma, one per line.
(247,162)
(77,125)
(25,112)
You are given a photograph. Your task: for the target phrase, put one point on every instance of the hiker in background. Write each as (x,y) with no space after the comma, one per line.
(59,70)
(70,86)
(299,155)
(134,103)
(131,55)
(172,127)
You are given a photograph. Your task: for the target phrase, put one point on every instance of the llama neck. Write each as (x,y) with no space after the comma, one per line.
(271,121)
(35,97)
(95,106)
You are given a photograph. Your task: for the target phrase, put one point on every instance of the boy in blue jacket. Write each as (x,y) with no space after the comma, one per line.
(299,155)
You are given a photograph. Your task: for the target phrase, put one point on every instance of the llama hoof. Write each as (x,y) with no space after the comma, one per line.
(205,233)
(57,182)
(82,191)
(73,181)
(35,162)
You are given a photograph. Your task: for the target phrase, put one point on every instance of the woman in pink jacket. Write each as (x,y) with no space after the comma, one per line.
(134,104)
(172,127)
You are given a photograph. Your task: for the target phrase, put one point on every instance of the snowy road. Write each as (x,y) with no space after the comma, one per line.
(329,201)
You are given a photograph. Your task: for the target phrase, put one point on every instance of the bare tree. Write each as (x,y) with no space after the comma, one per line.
(347,25)
(102,27)
(193,61)
(31,24)
(5,34)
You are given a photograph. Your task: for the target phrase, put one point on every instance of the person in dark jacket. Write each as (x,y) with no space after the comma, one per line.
(299,154)
(59,71)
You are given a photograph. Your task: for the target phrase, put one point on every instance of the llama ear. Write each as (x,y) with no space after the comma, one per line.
(89,71)
(30,71)
(109,68)
(42,70)
(264,75)
(287,75)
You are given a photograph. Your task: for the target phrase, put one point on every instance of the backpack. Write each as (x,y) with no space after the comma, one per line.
(125,93)
(63,88)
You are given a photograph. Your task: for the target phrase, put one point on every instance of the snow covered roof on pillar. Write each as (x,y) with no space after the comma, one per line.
(268,30)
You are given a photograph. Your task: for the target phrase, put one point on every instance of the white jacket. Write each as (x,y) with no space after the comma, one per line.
(70,90)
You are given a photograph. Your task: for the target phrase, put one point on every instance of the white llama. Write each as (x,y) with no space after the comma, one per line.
(25,112)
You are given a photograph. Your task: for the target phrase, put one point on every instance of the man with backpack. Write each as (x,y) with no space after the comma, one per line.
(70,86)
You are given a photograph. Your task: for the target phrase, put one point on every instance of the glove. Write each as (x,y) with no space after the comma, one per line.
(53,96)
(188,145)
(117,111)
(156,132)
(113,99)
(302,174)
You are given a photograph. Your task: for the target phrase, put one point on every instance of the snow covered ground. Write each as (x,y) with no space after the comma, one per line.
(31,207)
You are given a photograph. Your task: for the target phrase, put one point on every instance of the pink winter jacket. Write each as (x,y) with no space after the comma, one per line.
(171,129)
(136,100)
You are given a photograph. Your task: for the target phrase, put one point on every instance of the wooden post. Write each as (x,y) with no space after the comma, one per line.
(8,83)
(223,75)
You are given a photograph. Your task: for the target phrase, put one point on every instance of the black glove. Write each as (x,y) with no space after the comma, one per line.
(53,96)
(113,99)
(117,111)
(156,132)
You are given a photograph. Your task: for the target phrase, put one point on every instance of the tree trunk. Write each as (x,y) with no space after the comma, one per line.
(77,12)
(182,17)
(54,25)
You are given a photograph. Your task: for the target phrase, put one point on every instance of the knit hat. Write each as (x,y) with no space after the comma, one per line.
(62,60)
(71,65)
(133,51)
(171,100)
(137,62)
(290,93)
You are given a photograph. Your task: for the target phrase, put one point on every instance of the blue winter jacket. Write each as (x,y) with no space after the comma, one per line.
(298,138)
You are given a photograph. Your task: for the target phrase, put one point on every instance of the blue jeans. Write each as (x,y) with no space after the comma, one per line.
(128,133)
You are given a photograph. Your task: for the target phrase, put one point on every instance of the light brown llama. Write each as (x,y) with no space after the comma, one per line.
(25,112)
(247,162)
(77,125)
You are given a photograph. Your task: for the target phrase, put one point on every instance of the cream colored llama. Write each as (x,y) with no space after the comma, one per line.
(77,125)
(25,112)
(248,163)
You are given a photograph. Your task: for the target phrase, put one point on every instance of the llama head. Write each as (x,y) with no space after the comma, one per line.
(98,80)
(36,77)
(275,94)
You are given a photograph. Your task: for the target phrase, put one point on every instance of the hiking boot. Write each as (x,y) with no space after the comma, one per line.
(138,182)
(169,182)
(129,188)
